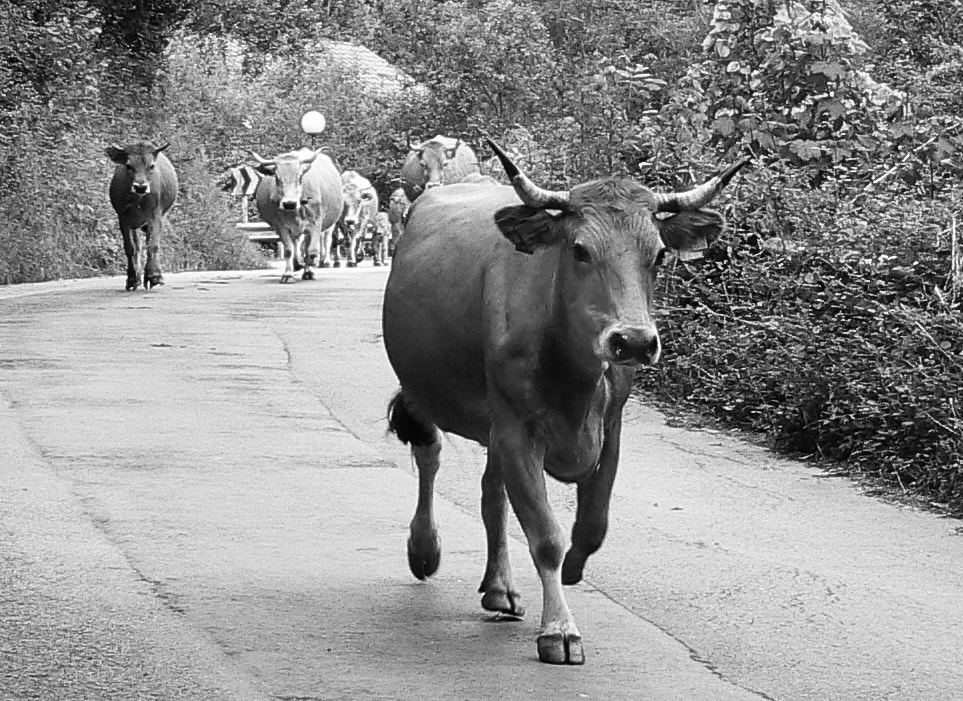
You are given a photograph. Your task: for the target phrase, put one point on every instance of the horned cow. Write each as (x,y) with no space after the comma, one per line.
(142,190)
(516,317)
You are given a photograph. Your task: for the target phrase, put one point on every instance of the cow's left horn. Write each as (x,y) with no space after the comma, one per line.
(530,193)
(262,161)
(698,196)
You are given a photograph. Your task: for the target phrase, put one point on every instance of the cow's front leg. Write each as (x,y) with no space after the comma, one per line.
(311,249)
(325,247)
(152,271)
(498,586)
(522,458)
(336,236)
(592,514)
(132,251)
(289,256)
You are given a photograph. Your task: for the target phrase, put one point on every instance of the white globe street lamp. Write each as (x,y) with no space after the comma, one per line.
(312,124)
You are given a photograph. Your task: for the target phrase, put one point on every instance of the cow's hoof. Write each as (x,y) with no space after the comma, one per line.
(377,264)
(153,281)
(424,559)
(325,264)
(560,648)
(352,264)
(307,275)
(287,277)
(572,567)
(132,285)
(337,264)
(505,602)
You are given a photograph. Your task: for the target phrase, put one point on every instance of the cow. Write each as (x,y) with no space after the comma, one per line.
(398,204)
(142,190)
(302,199)
(380,238)
(360,208)
(438,161)
(516,317)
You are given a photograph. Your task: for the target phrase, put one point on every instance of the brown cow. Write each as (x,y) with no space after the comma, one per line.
(438,161)
(516,317)
(302,200)
(143,188)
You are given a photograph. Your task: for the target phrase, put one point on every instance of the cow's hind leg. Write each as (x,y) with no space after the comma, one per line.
(424,545)
(498,585)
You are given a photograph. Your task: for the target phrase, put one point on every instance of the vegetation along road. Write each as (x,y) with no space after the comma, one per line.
(199,500)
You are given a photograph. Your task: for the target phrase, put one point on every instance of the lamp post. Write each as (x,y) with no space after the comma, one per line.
(312,124)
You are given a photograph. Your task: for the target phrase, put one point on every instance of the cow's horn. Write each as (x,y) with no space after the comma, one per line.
(262,161)
(530,193)
(698,196)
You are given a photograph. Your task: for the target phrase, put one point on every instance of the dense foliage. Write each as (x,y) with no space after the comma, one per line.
(828,317)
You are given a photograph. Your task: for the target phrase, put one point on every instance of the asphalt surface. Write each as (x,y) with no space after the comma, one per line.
(198,500)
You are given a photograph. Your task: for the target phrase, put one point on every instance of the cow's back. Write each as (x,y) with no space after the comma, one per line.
(433,314)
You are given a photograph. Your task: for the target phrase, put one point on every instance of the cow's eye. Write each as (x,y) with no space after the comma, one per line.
(660,257)
(151,167)
(581,253)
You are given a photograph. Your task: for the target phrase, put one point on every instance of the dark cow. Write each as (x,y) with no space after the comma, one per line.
(438,161)
(516,317)
(398,204)
(301,198)
(143,188)
(360,208)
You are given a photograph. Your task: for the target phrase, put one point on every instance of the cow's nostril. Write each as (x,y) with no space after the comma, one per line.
(619,345)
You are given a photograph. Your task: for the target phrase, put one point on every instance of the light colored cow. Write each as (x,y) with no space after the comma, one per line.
(398,204)
(360,208)
(517,317)
(301,199)
(142,190)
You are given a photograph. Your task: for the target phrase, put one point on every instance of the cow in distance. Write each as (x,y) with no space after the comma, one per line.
(516,317)
(142,190)
(438,161)
(301,198)
(360,208)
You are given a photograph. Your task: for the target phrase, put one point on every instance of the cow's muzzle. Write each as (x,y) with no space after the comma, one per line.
(289,204)
(630,346)
(140,188)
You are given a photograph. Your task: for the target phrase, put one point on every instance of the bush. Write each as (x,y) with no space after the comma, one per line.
(842,342)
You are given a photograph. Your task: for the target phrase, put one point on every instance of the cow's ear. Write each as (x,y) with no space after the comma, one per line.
(161,148)
(266,168)
(116,154)
(367,195)
(526,227)
(691,231)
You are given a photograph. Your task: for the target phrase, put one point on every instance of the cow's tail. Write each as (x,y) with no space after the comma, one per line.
(406,423)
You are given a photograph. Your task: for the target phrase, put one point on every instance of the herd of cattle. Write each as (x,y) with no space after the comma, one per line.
(320,214)
(513,315)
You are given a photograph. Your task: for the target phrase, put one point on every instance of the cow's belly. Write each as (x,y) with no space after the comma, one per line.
(433,337)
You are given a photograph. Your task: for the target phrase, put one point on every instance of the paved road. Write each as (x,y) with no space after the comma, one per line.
(198,501)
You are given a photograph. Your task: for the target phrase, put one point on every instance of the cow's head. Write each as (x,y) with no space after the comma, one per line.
(288,171)
(140,160)
(433,158)
(611,235)
(356,196)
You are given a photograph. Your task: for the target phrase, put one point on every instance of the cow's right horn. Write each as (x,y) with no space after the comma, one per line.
(698,196)
(530,193)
